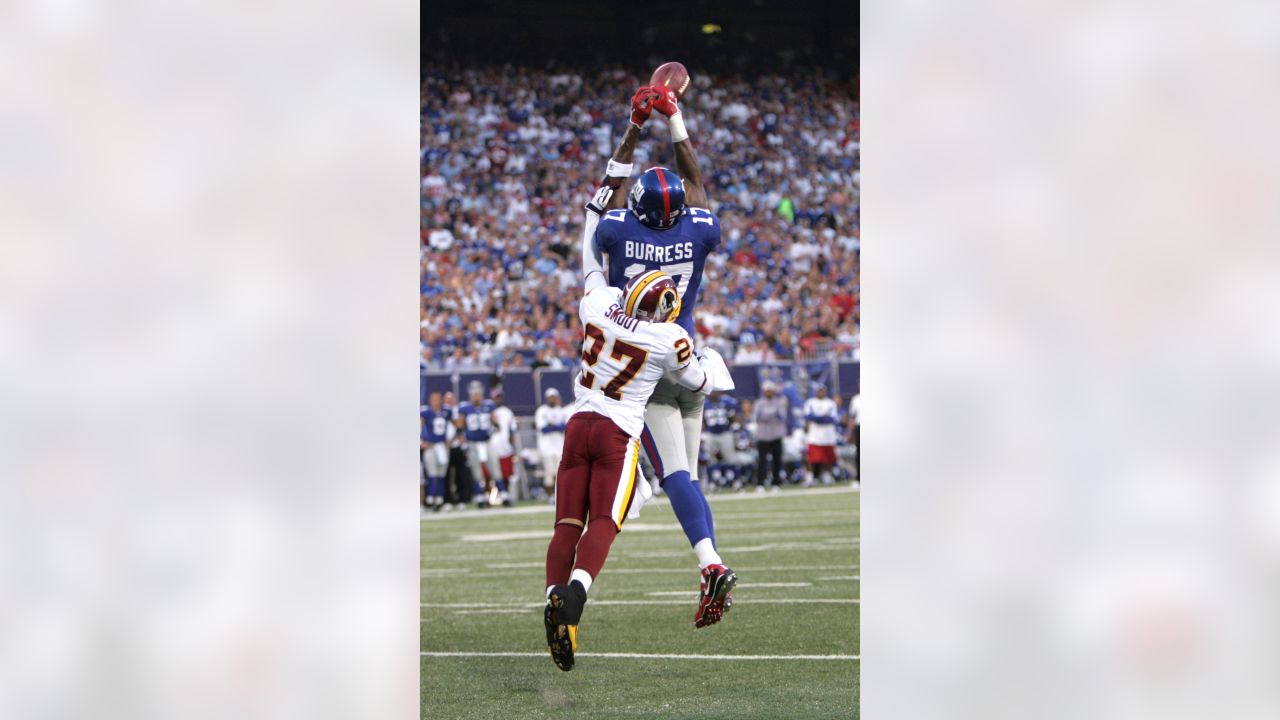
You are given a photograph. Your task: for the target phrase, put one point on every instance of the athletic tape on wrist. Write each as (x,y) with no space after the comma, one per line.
(617,169)
(678,132)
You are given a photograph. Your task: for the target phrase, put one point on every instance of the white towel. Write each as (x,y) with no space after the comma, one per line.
(717,372)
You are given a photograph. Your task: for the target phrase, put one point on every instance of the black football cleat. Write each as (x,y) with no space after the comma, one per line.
(561,616)
(714,596)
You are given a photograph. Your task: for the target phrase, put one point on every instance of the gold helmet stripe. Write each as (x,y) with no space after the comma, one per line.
(637,292)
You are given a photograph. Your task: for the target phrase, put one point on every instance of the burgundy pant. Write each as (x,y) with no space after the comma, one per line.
(594,489)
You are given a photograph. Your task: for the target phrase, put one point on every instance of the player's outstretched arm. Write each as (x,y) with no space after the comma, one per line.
(619,169)
(607,196)
(592,259)
(695,195)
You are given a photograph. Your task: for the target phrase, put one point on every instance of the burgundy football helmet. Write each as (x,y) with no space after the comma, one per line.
(651,296)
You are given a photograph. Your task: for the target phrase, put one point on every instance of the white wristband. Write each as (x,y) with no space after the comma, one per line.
(617,169)
(678,133)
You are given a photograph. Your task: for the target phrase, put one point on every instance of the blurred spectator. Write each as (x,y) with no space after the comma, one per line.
(770,416)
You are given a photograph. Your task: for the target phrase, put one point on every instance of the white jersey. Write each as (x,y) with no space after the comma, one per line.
(549,422)
(623,359)
(821,415)
(503,427)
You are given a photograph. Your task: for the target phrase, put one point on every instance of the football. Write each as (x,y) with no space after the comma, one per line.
(671,75)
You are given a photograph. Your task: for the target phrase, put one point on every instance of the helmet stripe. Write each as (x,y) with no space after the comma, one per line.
(666,197)
(637,292)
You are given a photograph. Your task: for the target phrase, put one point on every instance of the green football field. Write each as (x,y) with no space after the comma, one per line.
(787,650)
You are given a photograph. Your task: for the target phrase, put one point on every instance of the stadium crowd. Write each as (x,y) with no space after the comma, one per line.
(509,155)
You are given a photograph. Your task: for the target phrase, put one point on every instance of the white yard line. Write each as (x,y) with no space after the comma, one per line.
(532,567)
(729,550)
(493,611)
(471,513)
(774,584)
(646,656)
(595,603)
(842,577)
(694,593)
(633,527)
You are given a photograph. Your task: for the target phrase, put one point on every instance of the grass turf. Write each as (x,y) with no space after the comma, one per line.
(482,591)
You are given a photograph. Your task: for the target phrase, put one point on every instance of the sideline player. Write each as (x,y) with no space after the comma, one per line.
(435,450)
(502,444)
(820,418)
(457,482)
(854,437)
(550,420)
(720,415)
(475,420)
(629,344)
(668,226)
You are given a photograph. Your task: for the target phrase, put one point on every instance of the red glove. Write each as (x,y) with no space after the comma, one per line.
(642,104)
(666,102)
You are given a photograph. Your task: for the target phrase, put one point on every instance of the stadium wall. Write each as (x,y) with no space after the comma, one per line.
(523,388)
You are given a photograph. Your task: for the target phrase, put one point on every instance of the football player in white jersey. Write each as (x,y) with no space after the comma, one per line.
(549,421)
(502,447)
(629,344)
(820,418)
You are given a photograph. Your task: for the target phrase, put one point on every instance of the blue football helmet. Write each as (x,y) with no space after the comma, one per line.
(657,198)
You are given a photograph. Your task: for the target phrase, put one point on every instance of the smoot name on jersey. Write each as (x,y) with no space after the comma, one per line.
(619,317)
(648,252)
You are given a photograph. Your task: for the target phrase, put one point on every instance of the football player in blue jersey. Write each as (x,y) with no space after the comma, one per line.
(435,450)
(719,416)
(475,420)
(666,225)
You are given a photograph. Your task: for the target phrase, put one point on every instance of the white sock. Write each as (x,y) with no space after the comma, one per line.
(707,554)
(581,576)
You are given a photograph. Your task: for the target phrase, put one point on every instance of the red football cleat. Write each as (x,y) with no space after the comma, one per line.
(714,598)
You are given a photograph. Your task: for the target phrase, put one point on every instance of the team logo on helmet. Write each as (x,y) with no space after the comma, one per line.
(657,198)
(651,296)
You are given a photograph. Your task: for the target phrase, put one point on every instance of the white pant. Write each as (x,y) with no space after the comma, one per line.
(673,426)
(720,444)
(550,464)
(479,457)
(436,458)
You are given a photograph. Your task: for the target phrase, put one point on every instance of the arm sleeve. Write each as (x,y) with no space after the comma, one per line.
(688,373)
(592,260)
(690,376)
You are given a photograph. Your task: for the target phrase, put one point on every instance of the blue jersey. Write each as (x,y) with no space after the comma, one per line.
(477,420)
(435,425)
(680,251)
(719,414)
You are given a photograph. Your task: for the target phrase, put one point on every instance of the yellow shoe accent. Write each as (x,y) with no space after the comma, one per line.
(573,636)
